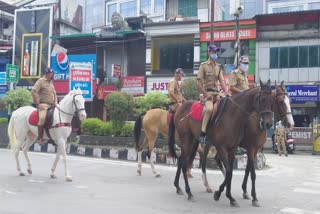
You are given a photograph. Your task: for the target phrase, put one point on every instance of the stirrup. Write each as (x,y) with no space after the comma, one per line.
(203,140)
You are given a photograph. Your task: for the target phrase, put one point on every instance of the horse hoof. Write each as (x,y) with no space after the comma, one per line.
(234,204)
(209,190)
(216,196)
(68,179)
(53,176)
(255,203)
(30,171)
(158,175)
(191,198)
(139,172)
(21,174)
(246,196)
(179,192)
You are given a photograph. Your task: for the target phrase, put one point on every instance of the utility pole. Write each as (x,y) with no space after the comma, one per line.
(211,24)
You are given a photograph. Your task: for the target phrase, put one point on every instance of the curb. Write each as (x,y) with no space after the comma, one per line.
(130,154)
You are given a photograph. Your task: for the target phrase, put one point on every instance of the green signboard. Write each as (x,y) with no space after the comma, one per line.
(12,73)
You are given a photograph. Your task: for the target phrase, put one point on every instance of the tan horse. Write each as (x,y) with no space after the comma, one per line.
(153,122)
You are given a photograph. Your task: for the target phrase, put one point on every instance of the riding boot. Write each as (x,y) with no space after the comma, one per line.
(203,138)
(40,135)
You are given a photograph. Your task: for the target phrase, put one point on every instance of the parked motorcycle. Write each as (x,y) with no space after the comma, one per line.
(290,145)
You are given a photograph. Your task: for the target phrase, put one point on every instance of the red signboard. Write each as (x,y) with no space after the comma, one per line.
(104,90)
(133,85)
(228,35)
(116,70)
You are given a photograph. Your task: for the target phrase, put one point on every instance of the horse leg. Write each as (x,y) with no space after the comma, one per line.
(245,181)
(220,165)
(176,179)
(28,142)
(203,168)
(185,176)
(145,142)
(255,202)
(229,172)
(150,150)
(190,164)
(62,144)
(16,155)
(56,160)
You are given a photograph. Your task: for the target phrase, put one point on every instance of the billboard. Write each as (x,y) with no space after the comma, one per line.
(32,43)
(81,77)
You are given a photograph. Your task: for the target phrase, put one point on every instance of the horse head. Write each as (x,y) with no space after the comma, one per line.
(281,105)
(263,102)
(78,104)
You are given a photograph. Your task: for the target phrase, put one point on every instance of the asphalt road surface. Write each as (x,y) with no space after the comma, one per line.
(287,185)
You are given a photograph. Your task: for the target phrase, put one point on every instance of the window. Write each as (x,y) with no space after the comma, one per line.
(188,8)
(145,7)
(128,9)
(314,6)
(293,57)
(287,9)
(313,56)
(274,57)
(158,6)
(303,56)
(284,57)
(112,8)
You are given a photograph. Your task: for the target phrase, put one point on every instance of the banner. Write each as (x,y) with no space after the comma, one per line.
(303,93)
(228,35)
(301,135)
(133,85)
(81,77)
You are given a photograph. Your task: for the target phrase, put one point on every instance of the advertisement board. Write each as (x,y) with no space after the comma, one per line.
(32,43)
(303,93)
(81,77)
(60,62)
(302,135)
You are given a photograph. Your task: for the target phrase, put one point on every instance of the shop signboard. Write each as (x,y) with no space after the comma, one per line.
(3,78)
(81,77)
(228,35)
(12,72)
(133,85)
(3,90)
(301,135)
(303,93)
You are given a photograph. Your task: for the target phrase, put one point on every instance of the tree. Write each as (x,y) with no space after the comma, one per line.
(189,89)
(17,98)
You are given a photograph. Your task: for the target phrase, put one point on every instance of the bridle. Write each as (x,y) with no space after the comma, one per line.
(76,113)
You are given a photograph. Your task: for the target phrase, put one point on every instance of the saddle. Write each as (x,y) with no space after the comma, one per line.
(197,110)
(34,118)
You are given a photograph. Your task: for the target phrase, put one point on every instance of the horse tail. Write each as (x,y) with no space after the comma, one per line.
(171,138)
(137,130)
(12,133)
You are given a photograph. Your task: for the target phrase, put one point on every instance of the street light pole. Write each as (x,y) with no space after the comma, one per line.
(237,45)
(211,24)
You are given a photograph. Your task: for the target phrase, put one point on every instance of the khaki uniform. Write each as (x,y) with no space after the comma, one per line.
(174,87)
(210,74)
(239,80)
(47,97)
(280,137)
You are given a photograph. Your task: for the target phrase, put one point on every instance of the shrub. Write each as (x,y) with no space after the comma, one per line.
(120,105)
(189,89)
(105,129)
(150,100)
(17,98)
(91,126)
(127,130)
(3,120)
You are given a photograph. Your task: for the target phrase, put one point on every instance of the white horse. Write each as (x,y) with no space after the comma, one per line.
(22,134)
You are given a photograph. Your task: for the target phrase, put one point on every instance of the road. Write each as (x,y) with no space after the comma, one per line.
(288,185)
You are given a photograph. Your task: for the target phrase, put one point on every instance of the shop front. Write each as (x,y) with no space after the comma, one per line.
(225,37)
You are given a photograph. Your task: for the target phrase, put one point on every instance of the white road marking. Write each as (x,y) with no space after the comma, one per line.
(312,184)
(81,187)
(304,190)
(9,192)
(297,211)
(36,181)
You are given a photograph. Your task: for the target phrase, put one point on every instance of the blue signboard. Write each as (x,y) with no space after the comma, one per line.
(3,90)
(303,93)
(81,77)
(60,63)
(3,78)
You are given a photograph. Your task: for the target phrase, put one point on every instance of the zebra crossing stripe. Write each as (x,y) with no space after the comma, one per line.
(297,211)
(304,190)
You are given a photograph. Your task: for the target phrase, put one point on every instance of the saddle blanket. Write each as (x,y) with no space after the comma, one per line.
(34,118)
(196,111)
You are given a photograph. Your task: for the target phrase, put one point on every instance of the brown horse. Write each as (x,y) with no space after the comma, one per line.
(255,138)
(153,122)
(225,134)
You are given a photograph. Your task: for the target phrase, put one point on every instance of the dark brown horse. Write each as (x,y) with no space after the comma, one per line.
(255,138)
(225,134)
